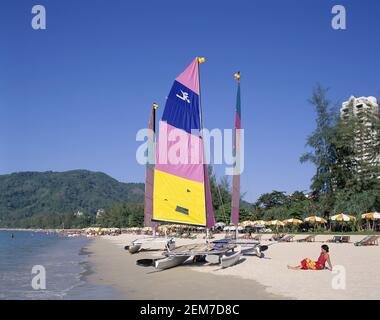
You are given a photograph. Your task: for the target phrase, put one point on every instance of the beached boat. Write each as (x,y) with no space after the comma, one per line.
(181,189)
(136,245)
(250,245)
(226,255)
(169,242)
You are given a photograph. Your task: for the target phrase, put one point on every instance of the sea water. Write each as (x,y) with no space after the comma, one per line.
(64,260)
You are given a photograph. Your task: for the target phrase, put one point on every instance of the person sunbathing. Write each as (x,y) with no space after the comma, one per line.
(308,264)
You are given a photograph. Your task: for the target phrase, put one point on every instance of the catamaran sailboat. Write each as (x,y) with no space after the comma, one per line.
(181,190)
(168,242)
(251,246)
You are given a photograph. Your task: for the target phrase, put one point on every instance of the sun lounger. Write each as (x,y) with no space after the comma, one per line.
(307,239)
(276,237)
(336,239)
(368,241)
(287,239)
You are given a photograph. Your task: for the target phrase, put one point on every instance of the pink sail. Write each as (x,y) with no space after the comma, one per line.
(190,77)
(191,165)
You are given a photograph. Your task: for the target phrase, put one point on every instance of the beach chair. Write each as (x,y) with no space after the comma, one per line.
(368,241)
(335,239)
(287,239)
(307,239)
(277,237)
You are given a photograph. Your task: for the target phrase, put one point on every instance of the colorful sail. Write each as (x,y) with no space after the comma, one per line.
(149,177)
(236,177)
(180,180)
(209,206)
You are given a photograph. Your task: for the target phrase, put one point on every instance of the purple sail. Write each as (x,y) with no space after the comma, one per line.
(236,177)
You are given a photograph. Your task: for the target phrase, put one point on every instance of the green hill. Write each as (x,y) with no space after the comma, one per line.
(27,194)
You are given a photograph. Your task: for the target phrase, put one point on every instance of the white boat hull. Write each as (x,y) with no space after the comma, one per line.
(170,262)
(133,248)
(231,258)
(136,245)
(250,246)
(226,259)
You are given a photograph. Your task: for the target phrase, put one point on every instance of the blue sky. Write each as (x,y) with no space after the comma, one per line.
(73,96)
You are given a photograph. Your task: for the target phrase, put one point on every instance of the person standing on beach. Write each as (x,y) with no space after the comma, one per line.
(308,264)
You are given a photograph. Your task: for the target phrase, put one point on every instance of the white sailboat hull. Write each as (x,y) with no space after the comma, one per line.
(252,246)
(133,248)
(136,245)
(230,258)
(226,257)
(170,262)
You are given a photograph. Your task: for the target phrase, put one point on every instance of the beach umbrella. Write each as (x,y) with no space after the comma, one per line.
(220,225)
(248,223)
(259,222)
(342,218)
(277,223)
(371,216)
(293,221)
(315,219)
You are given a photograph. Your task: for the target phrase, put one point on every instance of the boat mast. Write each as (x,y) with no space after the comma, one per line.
(149,185)
(200,61)
(155,107)
(235,203)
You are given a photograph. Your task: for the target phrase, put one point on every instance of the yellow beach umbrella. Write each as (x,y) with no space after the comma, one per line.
(247,223)
(315,219)
(262,222)
(293,221)
(277,223)
(162,228)
(342,218)
(371,216)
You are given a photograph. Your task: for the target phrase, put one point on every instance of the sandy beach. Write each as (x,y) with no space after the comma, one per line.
(253,278)
(116,267)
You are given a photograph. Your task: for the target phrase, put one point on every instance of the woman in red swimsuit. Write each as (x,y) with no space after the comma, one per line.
(308,264)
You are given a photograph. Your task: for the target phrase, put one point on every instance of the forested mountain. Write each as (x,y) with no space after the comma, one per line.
(25,195)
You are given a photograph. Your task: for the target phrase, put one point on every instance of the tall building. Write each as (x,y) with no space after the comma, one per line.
(358,107)
(363,109)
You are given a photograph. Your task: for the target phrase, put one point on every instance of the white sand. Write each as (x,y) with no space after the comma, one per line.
(114,266)
(361,266)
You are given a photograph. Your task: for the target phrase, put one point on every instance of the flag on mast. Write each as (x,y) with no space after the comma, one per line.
(236,177)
